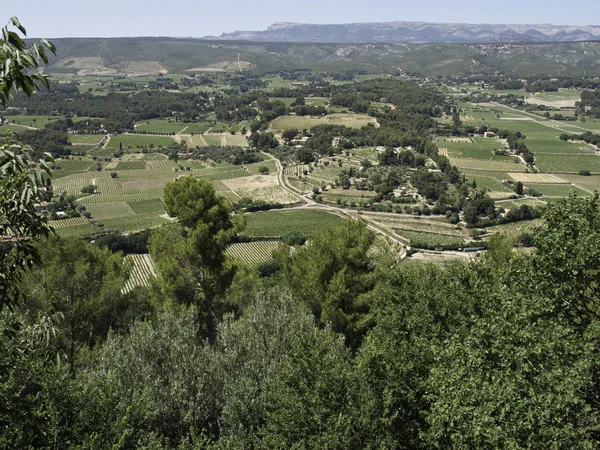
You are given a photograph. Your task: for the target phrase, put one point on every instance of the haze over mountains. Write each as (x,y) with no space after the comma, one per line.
(417,33)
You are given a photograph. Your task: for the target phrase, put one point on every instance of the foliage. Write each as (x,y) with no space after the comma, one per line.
(20,189)
(190,255)
(19,63)
(333,276)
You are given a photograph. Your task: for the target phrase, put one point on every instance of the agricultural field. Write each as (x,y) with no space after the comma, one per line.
(85,139)
(253,253)
(236,140)
(260,187)
(132,200)
(134,141)
(196,140)
(558,190)
(161,126)
(143,271)
(306,123)
(280,223)
(213,140)
(548,162)
(66,223)
(31,121)
(516,229)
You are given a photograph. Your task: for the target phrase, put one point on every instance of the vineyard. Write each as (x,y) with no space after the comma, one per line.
(65,223)
(253,253)
(142,272)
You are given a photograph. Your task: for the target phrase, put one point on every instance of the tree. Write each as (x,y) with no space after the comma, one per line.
(289,134)
(84,283)
(20,62)
(333,277)
(20,187)
(190,255)
(519,188)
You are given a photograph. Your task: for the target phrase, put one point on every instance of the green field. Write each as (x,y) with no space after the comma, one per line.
(161,126)
(212,140)
(558,190)
(280,223)
(547,162)
(135,141)
(88,139)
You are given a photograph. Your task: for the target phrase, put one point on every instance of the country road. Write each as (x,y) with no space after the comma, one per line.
(311,204)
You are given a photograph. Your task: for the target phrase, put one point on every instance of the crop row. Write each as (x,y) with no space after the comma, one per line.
(253,253)
(142,272)
(66,223)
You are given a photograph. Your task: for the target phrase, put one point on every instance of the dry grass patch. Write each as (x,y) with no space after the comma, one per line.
(256,182)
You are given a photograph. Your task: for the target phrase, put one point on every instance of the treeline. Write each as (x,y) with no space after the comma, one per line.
(590,103)
(232,155)
(144,105)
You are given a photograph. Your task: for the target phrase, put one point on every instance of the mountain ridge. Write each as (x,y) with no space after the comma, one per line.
(416,33)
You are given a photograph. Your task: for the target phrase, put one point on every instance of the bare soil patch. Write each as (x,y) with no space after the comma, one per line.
(256,182)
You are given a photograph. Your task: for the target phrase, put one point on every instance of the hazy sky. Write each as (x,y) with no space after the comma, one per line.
(64,18)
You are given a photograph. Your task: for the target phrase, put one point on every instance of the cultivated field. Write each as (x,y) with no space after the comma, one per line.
(306,123)
(142,272)
(253,253)
(280,223)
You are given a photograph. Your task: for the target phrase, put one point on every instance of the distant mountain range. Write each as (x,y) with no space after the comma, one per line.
(417,33)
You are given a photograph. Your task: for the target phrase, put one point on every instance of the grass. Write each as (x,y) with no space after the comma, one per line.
(147,206)
(161,126)
(102,211)
(90,139)
(548,162)
(558,190)
(280,223)
(135,223)
(135,140)
(212,140)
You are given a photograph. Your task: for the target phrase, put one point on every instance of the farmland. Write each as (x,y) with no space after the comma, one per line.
(253,253)
(134,141)
(143,271)
(305,123)
(131,199)
(280,223)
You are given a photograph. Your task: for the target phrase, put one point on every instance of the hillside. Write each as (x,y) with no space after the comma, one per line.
(162,54)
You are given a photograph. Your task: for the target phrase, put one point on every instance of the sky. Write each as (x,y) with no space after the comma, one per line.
(116,18)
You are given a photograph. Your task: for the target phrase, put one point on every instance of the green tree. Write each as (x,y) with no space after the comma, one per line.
(82,282)
(20,187)
(334,275)
(190,255)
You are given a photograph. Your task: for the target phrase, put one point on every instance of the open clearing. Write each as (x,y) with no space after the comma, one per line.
(256,182)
